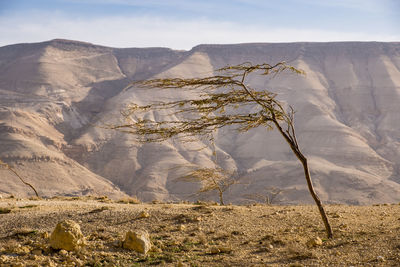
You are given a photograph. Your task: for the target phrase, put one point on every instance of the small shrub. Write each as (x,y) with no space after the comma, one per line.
(129,200)
(4,210)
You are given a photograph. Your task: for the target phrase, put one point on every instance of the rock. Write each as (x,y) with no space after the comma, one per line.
(156,249)
(63,252)
(380,259)
(335,215)
(22,250)
(67,235)
(224,249)
(44,235)
(36,252)
(181,264)
(3,259)
(138,241)
(314,242)
(50,263)
(117,243)
(214,250)
(220,249)
(158,246)
(34,258)
(197,219)
(144,214)
(267,248)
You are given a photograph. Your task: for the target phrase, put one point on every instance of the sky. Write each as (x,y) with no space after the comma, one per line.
(183,24)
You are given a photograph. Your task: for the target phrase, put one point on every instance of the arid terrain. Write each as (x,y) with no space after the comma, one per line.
(199,234)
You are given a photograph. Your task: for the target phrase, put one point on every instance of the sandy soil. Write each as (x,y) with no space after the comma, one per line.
(199,234)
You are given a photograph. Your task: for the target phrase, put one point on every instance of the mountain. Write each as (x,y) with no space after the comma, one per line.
(55,95)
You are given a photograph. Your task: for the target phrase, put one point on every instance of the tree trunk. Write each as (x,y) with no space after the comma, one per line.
(221,200)
(314,195)
(296,150)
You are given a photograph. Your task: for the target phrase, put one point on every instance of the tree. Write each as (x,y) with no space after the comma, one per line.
(223,100)
(213,179)
(8,167)
(271,193)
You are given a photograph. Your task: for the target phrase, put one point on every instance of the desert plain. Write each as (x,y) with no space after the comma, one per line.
(199,234)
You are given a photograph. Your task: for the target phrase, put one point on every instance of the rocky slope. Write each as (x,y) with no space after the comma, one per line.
(54,94)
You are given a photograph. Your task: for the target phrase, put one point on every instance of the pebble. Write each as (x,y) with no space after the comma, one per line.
(181,264)
(381,258)
(37,252)
(214,250)
(314,242)
(144,214)
(117,243)
(45,235)
(63,252)
(23,250)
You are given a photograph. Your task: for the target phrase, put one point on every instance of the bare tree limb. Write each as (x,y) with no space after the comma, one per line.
(8,167)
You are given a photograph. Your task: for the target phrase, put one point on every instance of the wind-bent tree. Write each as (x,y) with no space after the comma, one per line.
(223,100)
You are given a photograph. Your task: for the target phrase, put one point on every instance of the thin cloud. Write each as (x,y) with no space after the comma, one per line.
(374,6)
(122,31)
(188,5)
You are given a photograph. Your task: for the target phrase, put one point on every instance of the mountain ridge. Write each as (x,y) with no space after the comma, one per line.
(348,98)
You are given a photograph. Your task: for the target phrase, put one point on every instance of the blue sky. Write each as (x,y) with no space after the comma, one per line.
(182,24)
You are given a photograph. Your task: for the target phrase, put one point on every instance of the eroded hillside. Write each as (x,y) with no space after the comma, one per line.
(53,95)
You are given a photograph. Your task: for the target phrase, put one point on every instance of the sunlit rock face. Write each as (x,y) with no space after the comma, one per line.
(54,95)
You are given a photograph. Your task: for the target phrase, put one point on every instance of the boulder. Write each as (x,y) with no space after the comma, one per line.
(138,241)
(67,235)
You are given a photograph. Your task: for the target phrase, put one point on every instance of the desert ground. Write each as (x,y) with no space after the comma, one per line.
(199,234)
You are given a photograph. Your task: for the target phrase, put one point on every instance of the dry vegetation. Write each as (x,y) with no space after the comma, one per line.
(199,234)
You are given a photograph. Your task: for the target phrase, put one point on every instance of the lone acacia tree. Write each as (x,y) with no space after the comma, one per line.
(212,179)
(223,100)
